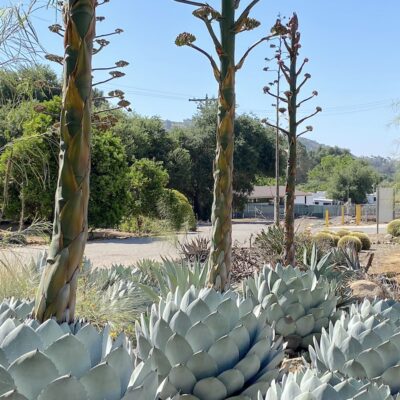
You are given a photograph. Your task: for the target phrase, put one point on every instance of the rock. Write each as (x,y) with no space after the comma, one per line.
(363,289)
(388,237)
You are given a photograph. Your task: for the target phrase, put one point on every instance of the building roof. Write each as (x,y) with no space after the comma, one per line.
(269,192)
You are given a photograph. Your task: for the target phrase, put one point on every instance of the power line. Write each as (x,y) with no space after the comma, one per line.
(327,110)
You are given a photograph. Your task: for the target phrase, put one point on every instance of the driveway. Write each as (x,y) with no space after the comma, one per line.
(104,253)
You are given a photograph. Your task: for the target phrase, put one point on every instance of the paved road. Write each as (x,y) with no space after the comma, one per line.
(103,253)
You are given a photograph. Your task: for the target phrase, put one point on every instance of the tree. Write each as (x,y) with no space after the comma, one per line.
(109,182)
(343,177)
(28,83)
(147,180)
(354,182)
(304,163)
(253,155)
(319,176)
(291,40)
(180,169)
(144,137)
(56,295)
(176,209)
(28,164)
(221,240)
(18,40)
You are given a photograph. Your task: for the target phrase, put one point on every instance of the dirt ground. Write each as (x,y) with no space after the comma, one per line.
(387,257)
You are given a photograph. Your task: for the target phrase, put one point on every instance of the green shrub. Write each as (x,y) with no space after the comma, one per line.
(350,241)
(176,209)
(365,240)
(394,227)
(109,184)
(145,225)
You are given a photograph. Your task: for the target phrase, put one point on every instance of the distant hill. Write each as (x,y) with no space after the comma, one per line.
(168,125)
(311,145)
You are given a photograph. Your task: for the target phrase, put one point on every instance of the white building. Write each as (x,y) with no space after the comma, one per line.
(266,194)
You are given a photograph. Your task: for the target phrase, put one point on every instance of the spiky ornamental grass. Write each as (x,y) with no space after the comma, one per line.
(169,276)
(207,345)
(48,361)
(105,296)
(360,347)
(309,385)
(297,302)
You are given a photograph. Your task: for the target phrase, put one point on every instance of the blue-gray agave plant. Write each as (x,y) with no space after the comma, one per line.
(362,348)
(204,345)
(381,309)
(299,303)
(69,362)
(309,385)
(15,308)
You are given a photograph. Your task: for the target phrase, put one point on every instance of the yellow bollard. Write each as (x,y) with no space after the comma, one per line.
(358,214)
(327,217)
(342,215)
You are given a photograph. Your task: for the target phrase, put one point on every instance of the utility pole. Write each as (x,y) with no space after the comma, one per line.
(277,196)
(207,101)
(276,82)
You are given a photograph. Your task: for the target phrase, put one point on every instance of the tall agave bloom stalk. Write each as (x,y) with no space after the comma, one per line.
(57,291)
(291,71)
(229,26)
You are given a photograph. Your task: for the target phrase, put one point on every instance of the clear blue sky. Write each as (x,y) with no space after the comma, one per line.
(352,46)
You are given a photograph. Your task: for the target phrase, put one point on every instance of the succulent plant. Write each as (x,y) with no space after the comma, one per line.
(48,361)
(325,239)
(393,227)
(350,241)
(362,348)
(297,302)
(205,345)
(365,240)
(320,266)
(15,308)
(380,309)
(196,249)
(343,232)
(171,276)
(309,385)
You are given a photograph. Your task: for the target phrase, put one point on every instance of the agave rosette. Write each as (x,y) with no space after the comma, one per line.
(205,345)
(48,361)
(15,308)
(361,348)
(309,385)
(297,302)
(381,309)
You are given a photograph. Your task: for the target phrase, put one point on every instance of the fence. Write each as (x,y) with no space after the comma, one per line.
(266,211)
(389,208)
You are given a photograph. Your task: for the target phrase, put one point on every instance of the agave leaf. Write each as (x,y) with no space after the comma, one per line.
(102,382)
(32,372)
(66,388)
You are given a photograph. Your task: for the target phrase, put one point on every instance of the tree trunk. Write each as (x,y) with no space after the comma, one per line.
(221,217)
(56,295)
(6,186)
(22,212)
(290,253)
